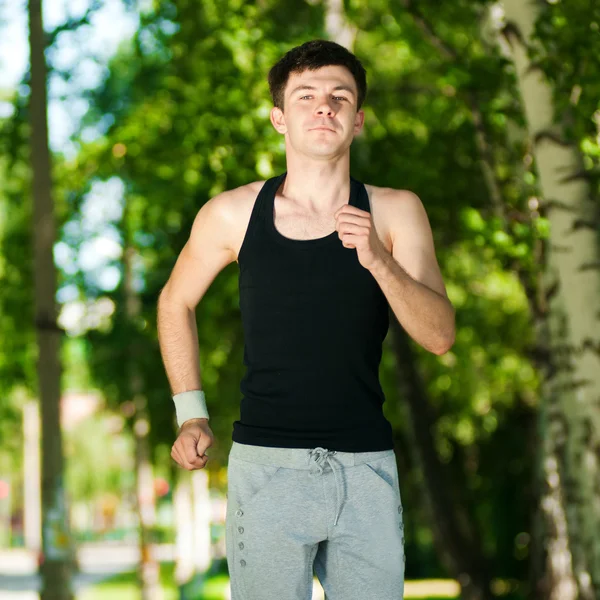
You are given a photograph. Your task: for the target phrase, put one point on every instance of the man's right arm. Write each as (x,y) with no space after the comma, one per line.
(208,250)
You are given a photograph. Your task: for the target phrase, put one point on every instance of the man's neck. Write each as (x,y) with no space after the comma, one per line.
(320,186)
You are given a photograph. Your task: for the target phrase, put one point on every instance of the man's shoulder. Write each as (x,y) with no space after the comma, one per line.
(247,191)
(394,210)
(392,201)
(388,194)
(231,210)
(232,204)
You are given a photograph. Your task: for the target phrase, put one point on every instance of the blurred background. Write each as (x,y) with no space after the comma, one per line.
(120,118)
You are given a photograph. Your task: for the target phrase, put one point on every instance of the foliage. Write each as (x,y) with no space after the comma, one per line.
(182,114)
(99,458)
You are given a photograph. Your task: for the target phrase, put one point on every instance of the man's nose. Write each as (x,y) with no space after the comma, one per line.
(325,109)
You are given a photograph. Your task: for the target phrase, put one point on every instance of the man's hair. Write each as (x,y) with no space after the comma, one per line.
(311,56)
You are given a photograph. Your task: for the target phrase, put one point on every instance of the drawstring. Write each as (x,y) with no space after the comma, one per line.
(320,455)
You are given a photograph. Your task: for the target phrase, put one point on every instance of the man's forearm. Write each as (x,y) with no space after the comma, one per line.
(178,339)
(427,316)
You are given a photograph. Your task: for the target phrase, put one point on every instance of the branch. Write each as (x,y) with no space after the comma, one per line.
(72,24)
(481,137)
(426,28)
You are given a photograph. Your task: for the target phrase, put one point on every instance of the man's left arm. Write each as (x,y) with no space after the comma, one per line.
(409,276)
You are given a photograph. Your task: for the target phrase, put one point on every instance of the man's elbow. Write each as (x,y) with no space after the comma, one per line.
(172,300)
(444,346)
(166,299)
(445,341)
(163,296)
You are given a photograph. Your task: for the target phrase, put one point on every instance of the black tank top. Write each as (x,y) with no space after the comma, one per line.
(314,321)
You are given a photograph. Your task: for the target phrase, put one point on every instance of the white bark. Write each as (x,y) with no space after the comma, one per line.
(32,489)
(184,533)
(202,521)
(338,28)
(571,391)
(193,516)
(148,569)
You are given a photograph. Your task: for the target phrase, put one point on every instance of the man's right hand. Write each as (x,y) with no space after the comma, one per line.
(188,451)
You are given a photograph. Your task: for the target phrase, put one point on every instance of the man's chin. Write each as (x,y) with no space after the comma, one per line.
(325,149)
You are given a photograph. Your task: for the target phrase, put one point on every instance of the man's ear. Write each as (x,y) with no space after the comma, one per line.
(278,120)
(359,121)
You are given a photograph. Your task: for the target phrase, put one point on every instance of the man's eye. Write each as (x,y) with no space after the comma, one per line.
(336,97)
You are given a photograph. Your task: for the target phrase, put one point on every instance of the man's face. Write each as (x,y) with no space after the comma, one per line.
(319,117)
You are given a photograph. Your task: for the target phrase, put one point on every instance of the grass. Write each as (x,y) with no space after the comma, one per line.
(124,587)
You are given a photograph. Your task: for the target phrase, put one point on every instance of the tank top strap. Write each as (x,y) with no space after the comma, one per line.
(265,197)
(262,204)
(359,196)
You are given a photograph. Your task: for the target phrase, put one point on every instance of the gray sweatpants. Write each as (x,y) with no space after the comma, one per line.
(292,510)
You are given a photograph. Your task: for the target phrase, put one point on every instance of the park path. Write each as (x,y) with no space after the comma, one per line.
(20,581)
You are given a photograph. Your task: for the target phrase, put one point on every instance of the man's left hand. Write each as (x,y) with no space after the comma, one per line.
(356,230)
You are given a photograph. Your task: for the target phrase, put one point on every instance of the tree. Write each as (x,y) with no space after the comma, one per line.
(148,568)
(56,543)
(570,415)
(188,105)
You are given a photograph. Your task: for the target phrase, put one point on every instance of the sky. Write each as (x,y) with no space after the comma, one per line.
(109,26)
(103,206)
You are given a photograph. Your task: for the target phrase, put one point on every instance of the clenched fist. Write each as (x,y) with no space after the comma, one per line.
(188,451)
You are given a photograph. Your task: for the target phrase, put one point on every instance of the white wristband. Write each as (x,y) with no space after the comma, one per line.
(190,405)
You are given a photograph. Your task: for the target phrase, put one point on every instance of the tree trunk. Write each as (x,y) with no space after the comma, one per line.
(337,26)
(32,493)
(184,541)
(148,568)
(202,521)
(192,521)
(56,540)
(570,419)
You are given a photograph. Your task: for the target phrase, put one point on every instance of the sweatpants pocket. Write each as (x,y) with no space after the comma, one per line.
(385,471)
(247,482)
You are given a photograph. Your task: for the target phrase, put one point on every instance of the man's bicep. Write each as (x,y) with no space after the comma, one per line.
(413,247)
(205,254)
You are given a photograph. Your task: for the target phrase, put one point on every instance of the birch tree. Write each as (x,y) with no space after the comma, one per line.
(570,415)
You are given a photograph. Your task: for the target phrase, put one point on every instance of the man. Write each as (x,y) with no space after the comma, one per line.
(312,475)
